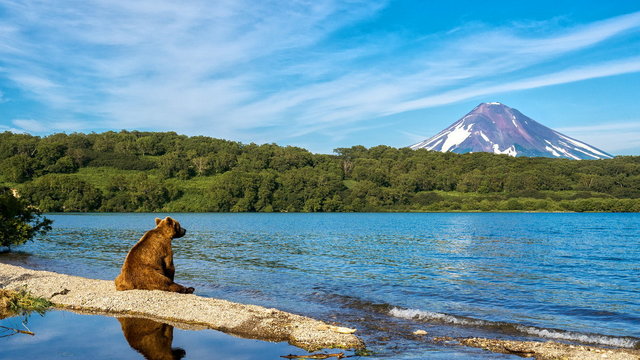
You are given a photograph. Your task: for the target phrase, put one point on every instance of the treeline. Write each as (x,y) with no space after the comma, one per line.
(151,171)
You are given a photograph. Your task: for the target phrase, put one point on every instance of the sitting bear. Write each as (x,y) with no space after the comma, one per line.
(149,264)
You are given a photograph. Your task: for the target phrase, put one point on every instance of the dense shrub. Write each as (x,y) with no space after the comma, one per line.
(19,222)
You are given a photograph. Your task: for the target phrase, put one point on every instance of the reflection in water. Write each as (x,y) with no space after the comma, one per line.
(151,338)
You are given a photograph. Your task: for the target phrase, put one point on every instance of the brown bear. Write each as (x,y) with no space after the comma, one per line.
(151,339)
(149,264)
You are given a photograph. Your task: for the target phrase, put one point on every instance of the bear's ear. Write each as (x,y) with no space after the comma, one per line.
(158,221)
(169,221)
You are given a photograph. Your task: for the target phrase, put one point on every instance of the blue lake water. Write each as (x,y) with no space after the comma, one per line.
(570,277)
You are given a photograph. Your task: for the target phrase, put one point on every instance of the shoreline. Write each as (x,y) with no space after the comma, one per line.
(406,211)
(192,312)
(186,311)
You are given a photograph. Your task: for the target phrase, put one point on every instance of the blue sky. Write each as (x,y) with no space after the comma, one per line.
(319,74)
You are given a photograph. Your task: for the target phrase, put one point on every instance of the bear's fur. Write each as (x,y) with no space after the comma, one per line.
(150,338)
(149,264)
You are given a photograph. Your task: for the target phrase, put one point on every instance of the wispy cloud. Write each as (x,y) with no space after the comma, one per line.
(561,77)
(14,130)
(274,69)
(616,137)
(30,125)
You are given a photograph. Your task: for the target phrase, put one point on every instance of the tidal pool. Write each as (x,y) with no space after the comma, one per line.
(67,335)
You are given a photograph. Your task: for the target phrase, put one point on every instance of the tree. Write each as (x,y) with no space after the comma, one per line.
(54,192)
(202,164)
(18,168)
(19,222)
(137,193)
(175,165)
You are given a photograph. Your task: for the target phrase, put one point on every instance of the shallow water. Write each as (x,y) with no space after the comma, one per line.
(67,335)
(549,276)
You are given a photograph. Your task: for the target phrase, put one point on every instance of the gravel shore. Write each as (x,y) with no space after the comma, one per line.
(549,350)
(247,321)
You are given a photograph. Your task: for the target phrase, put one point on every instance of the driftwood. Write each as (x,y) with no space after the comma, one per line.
(16,331)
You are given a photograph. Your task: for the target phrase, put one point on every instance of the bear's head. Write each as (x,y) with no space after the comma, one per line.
(171,226)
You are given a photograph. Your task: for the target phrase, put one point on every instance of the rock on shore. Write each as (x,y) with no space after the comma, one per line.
(547,350)
(248,321)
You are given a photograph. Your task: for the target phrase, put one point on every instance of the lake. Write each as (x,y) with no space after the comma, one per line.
(533,276)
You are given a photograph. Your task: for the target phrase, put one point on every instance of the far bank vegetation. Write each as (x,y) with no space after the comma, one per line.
(151,171)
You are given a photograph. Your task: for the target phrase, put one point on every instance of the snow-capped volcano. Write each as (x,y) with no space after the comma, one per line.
(496,128)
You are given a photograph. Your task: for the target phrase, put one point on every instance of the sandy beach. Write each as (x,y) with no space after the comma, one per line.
(181,310)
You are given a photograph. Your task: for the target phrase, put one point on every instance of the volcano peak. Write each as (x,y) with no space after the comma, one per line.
(496,128)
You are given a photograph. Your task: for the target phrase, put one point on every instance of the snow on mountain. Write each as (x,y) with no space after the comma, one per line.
(496,128)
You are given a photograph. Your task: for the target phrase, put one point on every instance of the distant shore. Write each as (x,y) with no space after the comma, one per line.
(93,172)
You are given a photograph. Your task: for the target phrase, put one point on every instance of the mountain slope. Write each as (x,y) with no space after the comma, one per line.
(497,128)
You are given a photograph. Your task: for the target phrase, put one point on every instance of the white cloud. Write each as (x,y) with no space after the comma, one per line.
(32,82)
(30,125)
(580,37)
(625,66)
(619,126)
(4,128)
(414,138)
(618,137)
(42,127)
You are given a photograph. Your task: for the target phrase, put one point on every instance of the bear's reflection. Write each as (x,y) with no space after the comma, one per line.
(150,338)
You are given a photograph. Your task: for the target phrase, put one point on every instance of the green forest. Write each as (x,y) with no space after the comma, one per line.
(131,171)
